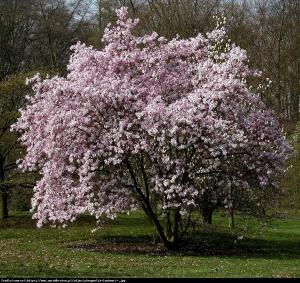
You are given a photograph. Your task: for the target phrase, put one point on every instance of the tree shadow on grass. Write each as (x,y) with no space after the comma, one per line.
(16,221)
(205,243)
(216,244)
(24,220)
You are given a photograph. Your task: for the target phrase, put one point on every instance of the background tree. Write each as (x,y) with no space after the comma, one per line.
(15,28)
(12,96)
(57,25)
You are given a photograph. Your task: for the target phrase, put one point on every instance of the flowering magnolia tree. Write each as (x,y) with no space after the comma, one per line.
(148,123)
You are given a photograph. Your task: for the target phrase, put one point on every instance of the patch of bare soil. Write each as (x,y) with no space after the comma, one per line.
(145,246)
(121,245)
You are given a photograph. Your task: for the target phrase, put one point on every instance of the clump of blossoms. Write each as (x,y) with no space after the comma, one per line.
(151,123)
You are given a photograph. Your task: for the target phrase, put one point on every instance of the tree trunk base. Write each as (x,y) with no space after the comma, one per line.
(3,205)
(207,216)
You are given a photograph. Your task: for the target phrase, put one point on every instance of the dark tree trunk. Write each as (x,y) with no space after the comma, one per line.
(231,218)
(146,205)
(231,208)
(3,193)
(175,236)
(207,208)
(169,226)
(4,204)
(152,216)
(207,213)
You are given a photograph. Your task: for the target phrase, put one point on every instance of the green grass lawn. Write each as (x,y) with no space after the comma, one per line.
(116,250)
